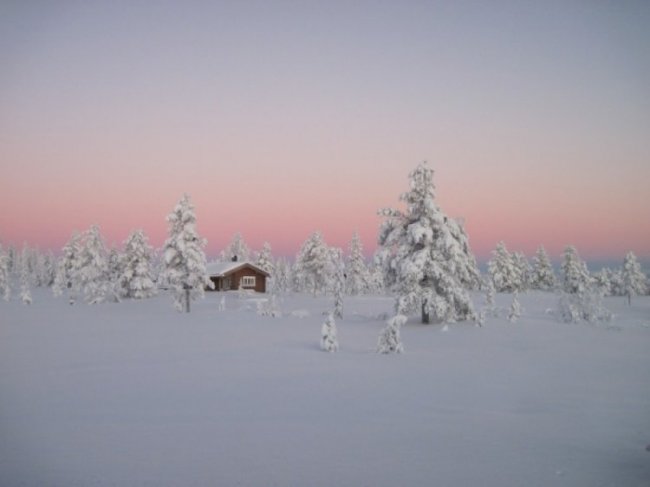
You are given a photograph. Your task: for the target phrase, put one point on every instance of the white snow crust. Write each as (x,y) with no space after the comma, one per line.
(134,394)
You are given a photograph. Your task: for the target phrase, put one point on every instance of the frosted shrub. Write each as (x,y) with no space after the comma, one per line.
(328,340)
(585,306)
(389,340)
(269,307)
(515,309)
(222,304)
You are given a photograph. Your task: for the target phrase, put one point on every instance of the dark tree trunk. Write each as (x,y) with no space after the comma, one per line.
(187,299)
(426,319)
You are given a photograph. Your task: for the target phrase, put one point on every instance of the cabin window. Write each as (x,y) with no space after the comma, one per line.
(248,281)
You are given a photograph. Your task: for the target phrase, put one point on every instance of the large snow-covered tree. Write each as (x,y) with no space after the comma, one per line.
(136,269)
(184,263)
(426,257)
(313,267)
(633,280)
(542,275)
(357,276)
(575,275)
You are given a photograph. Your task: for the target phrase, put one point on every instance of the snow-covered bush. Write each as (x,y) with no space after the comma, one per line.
(515,309)
(389,339)
(222,304)
(328,339)
(582,306)
(184,261)
(425,255)
(269,307)
(136,273)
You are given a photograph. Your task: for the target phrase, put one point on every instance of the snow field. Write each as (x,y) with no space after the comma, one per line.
(138,394)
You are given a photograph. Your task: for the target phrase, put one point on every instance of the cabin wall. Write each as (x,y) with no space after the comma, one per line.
(236,277)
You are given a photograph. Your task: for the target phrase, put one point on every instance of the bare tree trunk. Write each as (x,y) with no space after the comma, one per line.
(187,299)
(629,299)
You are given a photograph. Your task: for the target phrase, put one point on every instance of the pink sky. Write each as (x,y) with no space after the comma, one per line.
(280,120)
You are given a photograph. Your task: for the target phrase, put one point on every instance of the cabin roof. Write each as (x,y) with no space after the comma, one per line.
(220,269)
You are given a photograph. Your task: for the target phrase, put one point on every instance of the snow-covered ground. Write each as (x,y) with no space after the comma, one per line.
(136,394)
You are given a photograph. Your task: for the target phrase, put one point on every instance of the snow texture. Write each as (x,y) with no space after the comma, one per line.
(133,394)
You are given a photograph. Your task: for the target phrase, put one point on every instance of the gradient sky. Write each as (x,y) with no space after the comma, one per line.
(281,118)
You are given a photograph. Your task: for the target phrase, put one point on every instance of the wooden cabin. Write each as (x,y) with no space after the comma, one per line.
(230,276)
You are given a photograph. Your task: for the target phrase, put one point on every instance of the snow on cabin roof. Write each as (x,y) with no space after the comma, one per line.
(218,269)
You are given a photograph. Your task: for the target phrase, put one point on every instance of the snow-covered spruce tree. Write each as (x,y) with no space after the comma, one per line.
(338,281)
(5,279)
(136,276)
(26,278)
(313,268)
(503,270)
(426,259)
(575,275)
(376,284)
(523,269)
(542,275)
(603,281)
(93,270)
(515,308)
(389,340)
(67,275)
(357,271)
(237,250)
(265,259)
(490,305)
(184,264)
(328,338)
(633,279)
(282,276)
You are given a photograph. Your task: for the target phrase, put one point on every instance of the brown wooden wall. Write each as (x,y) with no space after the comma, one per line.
(235,279)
